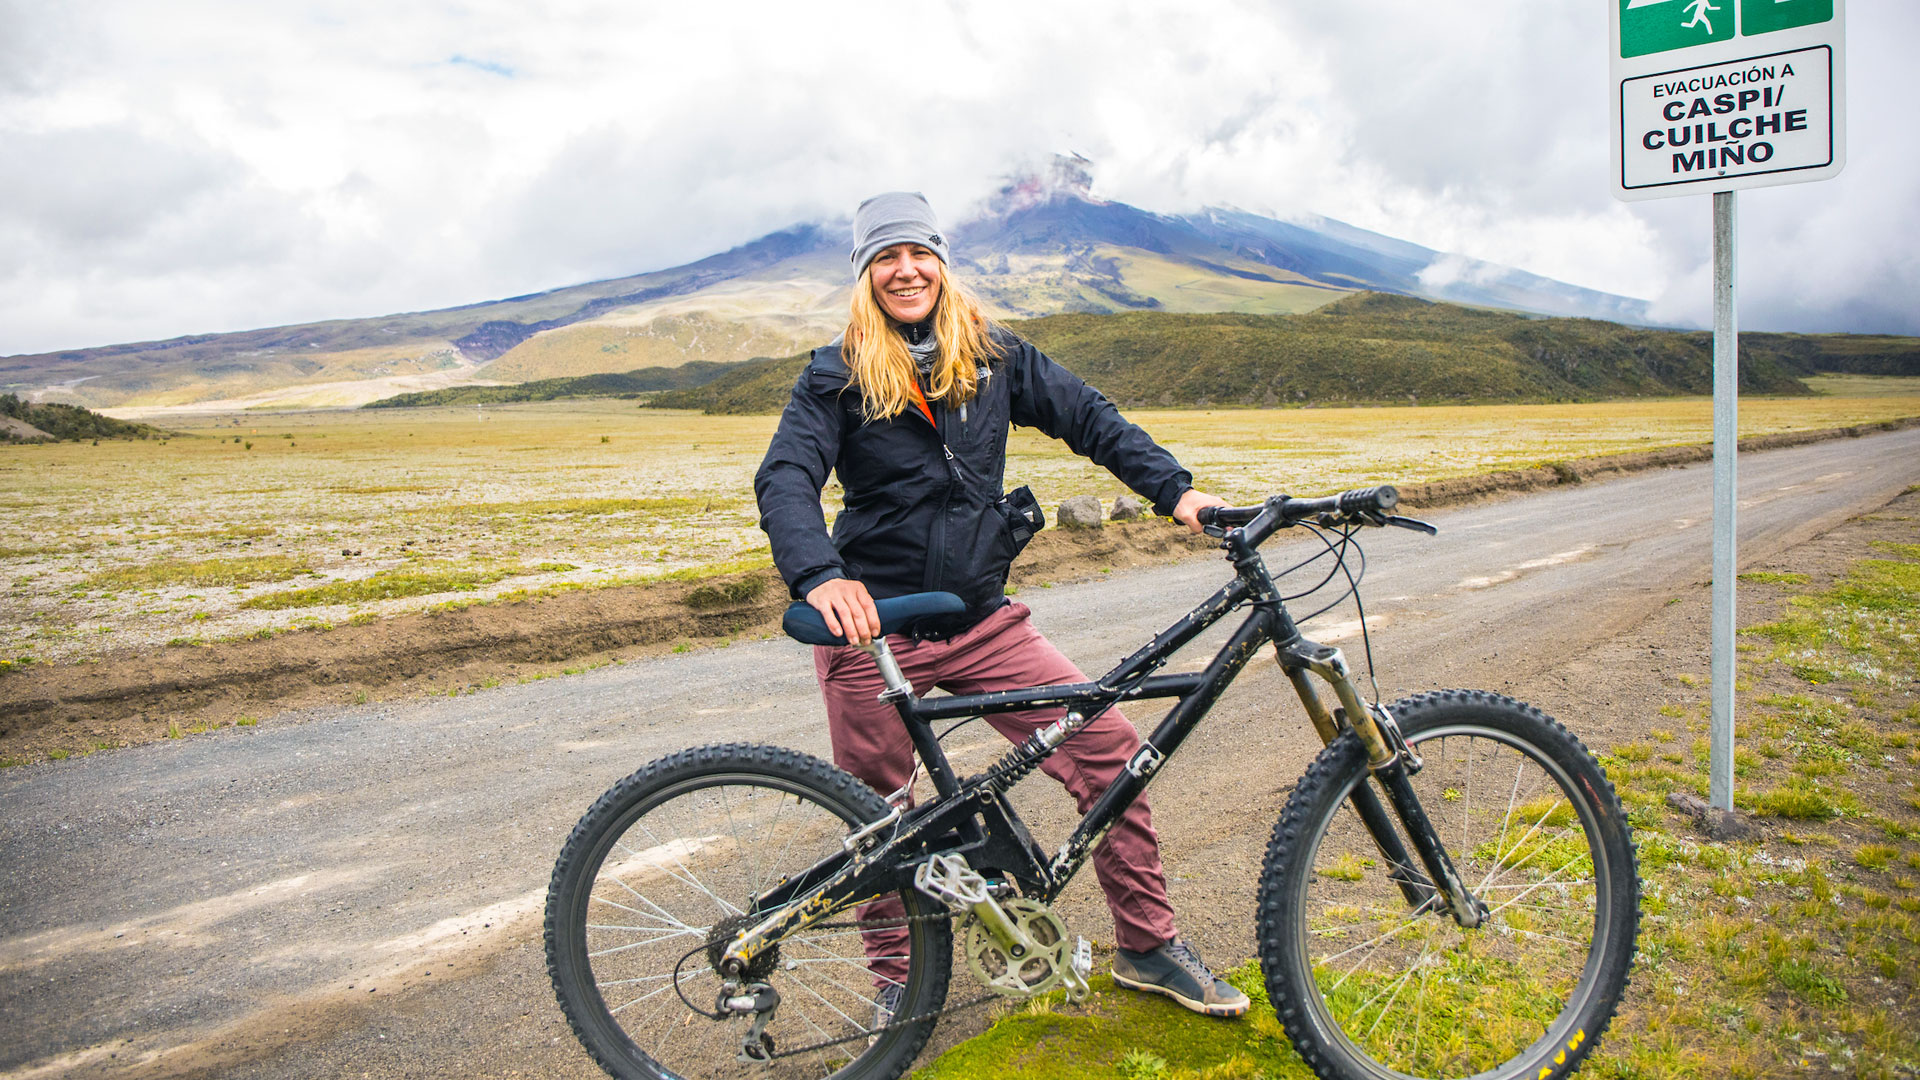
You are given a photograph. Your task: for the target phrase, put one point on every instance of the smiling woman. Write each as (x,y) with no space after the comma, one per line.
(903,282)
(911,409)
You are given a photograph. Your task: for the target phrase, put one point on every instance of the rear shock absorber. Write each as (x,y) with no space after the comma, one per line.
(1022,759)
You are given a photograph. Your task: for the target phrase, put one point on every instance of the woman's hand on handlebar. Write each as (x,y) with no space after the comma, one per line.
(1192,501)
(847,607)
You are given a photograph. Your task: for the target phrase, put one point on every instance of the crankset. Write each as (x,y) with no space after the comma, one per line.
(1016,947)
(1053,960)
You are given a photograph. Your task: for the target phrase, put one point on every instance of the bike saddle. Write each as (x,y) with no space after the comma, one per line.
(803,623)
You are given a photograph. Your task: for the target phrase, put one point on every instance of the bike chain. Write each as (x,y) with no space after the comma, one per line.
(881,924)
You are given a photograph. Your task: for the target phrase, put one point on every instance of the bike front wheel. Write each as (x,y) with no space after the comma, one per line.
(680,848)
(1369,984)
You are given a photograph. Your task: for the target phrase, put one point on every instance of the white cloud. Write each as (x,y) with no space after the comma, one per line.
(190,167)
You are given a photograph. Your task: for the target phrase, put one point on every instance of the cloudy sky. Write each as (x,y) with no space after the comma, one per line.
(182,166)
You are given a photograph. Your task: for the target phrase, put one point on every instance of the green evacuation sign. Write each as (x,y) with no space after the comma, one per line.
(1718,95)
(1657,26)
(1654,26)
(1766,16)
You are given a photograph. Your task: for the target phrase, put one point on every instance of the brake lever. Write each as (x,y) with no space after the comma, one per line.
(1413,524)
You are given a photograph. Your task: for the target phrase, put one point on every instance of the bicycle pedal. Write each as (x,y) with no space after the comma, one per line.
(1079,968)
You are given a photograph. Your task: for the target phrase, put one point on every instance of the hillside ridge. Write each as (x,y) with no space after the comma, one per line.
(1374,349)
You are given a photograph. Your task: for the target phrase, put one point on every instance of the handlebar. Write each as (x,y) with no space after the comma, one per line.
(1377,500)
(1367,505)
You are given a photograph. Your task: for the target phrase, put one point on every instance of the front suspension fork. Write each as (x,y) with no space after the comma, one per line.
(1392,763)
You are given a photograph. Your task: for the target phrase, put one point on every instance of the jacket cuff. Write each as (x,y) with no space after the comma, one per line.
(1165,504)
(807,584)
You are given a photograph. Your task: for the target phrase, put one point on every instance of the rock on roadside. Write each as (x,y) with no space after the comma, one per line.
(1080,512)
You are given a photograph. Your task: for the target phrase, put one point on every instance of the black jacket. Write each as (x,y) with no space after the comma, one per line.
(916,520)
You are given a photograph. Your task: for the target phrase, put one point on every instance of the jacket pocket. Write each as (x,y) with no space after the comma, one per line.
(1022,515)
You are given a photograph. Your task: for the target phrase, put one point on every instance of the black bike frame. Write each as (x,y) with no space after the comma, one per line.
(972,817)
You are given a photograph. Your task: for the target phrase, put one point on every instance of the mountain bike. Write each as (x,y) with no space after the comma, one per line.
(1451,889)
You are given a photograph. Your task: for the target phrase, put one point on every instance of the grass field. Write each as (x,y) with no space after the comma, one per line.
(252,523)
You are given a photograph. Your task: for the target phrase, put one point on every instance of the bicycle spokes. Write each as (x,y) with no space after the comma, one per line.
(1410,988)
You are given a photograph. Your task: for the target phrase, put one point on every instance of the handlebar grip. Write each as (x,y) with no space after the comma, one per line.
(1228,515)
(1369,500)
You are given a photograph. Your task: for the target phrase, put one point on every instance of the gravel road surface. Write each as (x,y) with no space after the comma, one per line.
(356,890)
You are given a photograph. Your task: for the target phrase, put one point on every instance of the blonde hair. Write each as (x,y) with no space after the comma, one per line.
(884,371)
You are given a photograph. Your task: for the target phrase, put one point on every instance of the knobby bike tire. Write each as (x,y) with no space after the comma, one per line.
(1368,986)
(681,845)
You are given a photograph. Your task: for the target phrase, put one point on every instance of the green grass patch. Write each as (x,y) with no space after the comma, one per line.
(1883,584)
(31,550)
(1771,577)
(1875,856)
(1124,1035)
(1799,800)
(202,573)
(1809,982)
(728,594)
(757,559)
(580,507)
(227,532)
(386,585)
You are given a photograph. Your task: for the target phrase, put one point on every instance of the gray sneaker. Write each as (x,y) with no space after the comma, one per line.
(1175,970)
(886,1005)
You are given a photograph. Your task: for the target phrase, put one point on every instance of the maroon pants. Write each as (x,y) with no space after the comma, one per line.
(1002,652)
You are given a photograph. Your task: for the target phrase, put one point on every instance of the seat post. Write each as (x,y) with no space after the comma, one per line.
(899,693)
(890,673)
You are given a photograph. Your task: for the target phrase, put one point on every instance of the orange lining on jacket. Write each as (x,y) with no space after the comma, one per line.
(920,399)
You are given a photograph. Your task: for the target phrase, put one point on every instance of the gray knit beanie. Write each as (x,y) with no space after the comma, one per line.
(895,217)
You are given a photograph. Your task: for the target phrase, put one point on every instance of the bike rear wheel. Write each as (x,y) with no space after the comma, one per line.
(682,845)
(1368,986)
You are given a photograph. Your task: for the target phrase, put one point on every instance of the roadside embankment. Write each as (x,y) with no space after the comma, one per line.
(52,710)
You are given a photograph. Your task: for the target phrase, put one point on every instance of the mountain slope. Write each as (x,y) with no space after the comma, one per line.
(1042,246)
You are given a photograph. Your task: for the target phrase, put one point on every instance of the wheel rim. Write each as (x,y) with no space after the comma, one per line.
(691,856)
(1414,994)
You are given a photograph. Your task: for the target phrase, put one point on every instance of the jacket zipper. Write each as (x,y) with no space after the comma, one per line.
(936,572)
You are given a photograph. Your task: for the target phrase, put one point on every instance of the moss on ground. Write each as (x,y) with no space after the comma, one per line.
(386,585)
(1126,1035)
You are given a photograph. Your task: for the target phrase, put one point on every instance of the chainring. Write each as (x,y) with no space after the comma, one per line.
(1009,976)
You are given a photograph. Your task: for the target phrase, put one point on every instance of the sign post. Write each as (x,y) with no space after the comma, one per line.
(1711,96)
(1726,503)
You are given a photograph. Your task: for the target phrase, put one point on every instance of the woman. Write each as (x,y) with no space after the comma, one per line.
(911,408)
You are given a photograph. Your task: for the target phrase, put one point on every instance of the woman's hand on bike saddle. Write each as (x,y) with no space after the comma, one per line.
(847,607)
(1192,501)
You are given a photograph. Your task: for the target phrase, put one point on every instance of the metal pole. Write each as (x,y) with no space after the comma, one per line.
(1726,446)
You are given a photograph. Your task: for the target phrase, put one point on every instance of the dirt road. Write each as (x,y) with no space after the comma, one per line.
(355,891)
